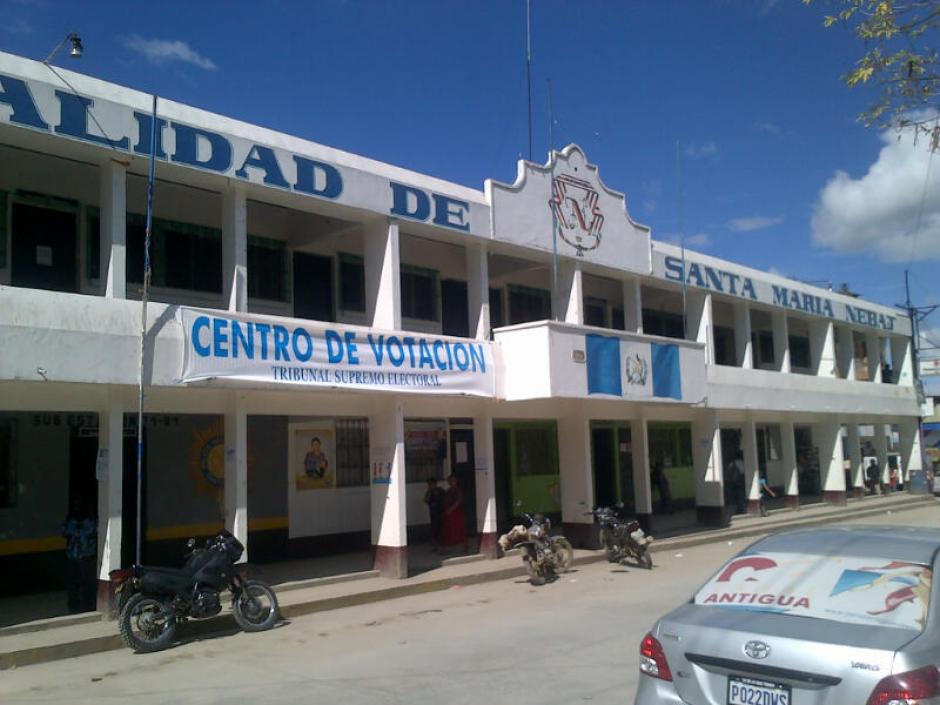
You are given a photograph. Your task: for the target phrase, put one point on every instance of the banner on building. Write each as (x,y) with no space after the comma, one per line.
(242,348)
(632,369)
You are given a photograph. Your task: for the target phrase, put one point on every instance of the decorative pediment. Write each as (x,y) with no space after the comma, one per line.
(565,202)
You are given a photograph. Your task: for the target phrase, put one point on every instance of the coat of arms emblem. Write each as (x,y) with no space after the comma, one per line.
(579,219)
(637,370)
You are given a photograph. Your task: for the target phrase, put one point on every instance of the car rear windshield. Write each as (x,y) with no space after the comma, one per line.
(870,591)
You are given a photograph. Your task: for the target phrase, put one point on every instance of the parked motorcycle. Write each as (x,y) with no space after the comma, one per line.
(623,539)
(543,555)
(153,601)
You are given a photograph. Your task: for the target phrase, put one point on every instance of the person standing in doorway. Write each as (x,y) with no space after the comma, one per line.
(764,491)
(453,528)
(736,477)
(434,498)
(658,476)
(893,478)
(871,476)
(81,548)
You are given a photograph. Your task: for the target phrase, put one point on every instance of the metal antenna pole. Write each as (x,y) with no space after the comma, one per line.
(685,332)
(528,67)
(551,161)
(143,335)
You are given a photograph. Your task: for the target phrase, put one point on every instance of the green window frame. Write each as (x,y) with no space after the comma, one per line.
(265,254)
(420,302)
(536,479)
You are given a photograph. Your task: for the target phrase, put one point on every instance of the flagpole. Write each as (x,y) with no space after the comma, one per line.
(528,67)
(685,332)
(551,161)
(143,334)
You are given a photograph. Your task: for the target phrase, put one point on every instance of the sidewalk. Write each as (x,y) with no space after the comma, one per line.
(66,637)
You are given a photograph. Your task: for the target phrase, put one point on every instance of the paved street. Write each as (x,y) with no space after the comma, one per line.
(572,641)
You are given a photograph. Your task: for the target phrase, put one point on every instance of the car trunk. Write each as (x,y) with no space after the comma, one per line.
(816,661)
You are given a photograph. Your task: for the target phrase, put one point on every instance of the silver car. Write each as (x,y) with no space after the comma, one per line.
(835,615)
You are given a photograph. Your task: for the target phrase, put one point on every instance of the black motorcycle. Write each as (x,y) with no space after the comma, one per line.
(623,539)
(544,556)
(153,601)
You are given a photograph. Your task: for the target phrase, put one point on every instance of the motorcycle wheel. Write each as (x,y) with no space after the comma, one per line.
(535,577)
(147,624)
(613,556)
(645,559)
(564,553)
(255,607)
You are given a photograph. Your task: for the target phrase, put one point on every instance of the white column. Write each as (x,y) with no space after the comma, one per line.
(569,299)
(478,291)
(846,353)
(873,351)
(822,348)
(742,336)
(632,306)
(911,456)
(701,322)
(112,252)
(855,460)
(881,450)
(382,272)
(751,474)
(576,476)
(788,453)
(235,247)
(109,471)
(485,476)
(236,470)
(828,436)
(781,341)
(707,459)
(901,361)
(389,501)
(639,436)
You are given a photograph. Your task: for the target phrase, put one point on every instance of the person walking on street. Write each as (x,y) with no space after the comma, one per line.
(434,498)
(764,491)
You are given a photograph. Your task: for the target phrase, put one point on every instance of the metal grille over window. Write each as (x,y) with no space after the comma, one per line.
(352,452)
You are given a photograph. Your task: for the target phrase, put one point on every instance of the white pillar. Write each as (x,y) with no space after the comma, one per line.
(742,336)
(576,476)
(235,247)
(881,450)
(478,291)
(873,351)
(632,306)
(485,476)
(569,299)
(236,470)
(112,249)
(709,465)
(701,322)
(828,436)
(788,456)
(382,272)
(639,437)
(781,341)
(751,474)
(109,471)
(855,460)
(901,361)
(822,348)
(911,456)
(389,501)
(846,353)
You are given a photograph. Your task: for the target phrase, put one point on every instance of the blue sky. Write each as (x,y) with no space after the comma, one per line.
(776,172)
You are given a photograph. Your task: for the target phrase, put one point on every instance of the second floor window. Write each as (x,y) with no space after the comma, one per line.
(528,304)
(267,269)
(420,293)
(352,283)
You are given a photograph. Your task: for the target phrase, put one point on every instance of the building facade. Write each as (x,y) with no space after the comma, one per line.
(326,332)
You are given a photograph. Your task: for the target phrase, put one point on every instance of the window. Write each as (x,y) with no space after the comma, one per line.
(3,229)
(595,312)
(617,321)
(496,308)
(92,241)
(352,452)
(425,450)
(352,283)
(7,463)
(536,450)
(724,346)
(672,444)
(527,304)
(799,352)
(762,343)
(662,323)
(419,293)
(267,268)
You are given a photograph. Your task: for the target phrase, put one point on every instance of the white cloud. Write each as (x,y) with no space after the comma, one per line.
(706,149)
(769,127)
(161,51)
(878,212)
(753,222)
(699,239)
(649,205)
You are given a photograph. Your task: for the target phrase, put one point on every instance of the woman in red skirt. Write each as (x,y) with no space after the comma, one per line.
(453,531)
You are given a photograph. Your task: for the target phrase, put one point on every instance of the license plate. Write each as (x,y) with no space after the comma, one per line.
(747,691)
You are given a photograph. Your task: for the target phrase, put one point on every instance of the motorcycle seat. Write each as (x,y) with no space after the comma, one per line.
(161,581)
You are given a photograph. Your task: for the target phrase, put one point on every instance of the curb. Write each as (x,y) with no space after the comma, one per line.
(221,624)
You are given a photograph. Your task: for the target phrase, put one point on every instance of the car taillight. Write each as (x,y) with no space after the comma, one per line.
(653,659)
(911,687)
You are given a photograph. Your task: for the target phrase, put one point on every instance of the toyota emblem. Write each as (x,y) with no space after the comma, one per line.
(757,649)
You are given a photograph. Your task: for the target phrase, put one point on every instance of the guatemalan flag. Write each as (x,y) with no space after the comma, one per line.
(631,369)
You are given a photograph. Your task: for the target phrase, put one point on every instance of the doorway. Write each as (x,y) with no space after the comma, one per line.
(44,249)
(612,461)
(313,287)
(462,465)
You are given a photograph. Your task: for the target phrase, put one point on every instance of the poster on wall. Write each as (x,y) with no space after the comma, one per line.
(311,468)
(380,463)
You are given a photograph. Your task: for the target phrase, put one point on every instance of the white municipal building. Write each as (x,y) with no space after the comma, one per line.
(307,302)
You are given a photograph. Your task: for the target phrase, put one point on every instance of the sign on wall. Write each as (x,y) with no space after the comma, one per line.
(311,466)
(242,348)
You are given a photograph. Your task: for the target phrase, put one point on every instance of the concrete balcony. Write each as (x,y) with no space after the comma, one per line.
(546,359)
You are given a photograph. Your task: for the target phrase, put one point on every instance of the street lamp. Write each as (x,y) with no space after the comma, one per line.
(75,52)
